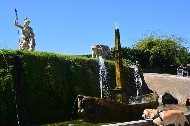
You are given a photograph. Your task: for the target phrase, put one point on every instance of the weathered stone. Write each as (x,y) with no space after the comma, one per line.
(120,88)
(95,109)
(27,40)
(177,86)
(101,50)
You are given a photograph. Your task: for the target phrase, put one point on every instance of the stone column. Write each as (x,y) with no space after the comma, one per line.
(120,88)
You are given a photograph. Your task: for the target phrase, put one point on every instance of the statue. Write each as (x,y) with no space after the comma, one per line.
(101,50)
(27,40)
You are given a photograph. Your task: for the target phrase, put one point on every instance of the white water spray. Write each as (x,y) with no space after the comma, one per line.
(138,81)
(104,86)
(138,84)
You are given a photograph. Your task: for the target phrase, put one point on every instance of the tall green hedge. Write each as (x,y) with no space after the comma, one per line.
(7,92)
(51,84)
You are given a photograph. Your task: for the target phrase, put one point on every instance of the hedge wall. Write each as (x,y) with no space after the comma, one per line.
(7,92)
(51,83)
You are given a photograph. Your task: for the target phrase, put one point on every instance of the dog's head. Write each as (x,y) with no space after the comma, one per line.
(149,113)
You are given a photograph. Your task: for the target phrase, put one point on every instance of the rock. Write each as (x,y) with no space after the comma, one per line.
(101,50)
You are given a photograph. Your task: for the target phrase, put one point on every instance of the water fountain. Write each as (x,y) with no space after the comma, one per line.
(102,109)
(104,85)
(137,98)
(138,81)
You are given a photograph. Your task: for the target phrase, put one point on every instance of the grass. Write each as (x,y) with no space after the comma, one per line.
(74,123)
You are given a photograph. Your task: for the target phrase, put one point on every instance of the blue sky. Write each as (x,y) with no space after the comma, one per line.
(73,26)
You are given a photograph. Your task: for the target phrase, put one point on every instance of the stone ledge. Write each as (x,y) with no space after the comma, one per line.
(177,86)
(143,122)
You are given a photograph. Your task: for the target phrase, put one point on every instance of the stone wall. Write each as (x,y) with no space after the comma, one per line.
(142,123)
(177,86)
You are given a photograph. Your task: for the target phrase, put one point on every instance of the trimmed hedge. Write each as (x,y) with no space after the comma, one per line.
(51,84)
(7,92)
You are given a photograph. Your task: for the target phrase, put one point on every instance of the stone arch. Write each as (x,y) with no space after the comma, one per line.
(168,98)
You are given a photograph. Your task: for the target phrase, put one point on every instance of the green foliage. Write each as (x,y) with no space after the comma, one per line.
(127,62)
(51,84)
(128,55)
(163,53)
(156,53)
(7,92)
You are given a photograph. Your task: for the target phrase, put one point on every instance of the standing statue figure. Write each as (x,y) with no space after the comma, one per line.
(27,40)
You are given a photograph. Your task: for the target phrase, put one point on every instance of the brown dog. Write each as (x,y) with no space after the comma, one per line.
(163,118)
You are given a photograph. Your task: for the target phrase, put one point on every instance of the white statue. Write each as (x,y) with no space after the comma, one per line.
(27,40)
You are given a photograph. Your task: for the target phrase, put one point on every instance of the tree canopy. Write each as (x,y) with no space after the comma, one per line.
(156,52)
(162,52)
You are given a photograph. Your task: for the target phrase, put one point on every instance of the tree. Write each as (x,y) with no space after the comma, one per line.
(128,55)
(161,52)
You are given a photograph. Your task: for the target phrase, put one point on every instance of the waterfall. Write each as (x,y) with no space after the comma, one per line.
(138,83)
(104,86)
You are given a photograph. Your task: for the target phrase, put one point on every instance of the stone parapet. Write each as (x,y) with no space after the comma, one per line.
(142,122)
(177,86)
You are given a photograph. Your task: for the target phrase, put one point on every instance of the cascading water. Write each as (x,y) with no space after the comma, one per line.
(138,81)
(138,85)
(104,86)
(74,105)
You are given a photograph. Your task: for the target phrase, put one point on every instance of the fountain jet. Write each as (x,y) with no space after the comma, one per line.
(102,109)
